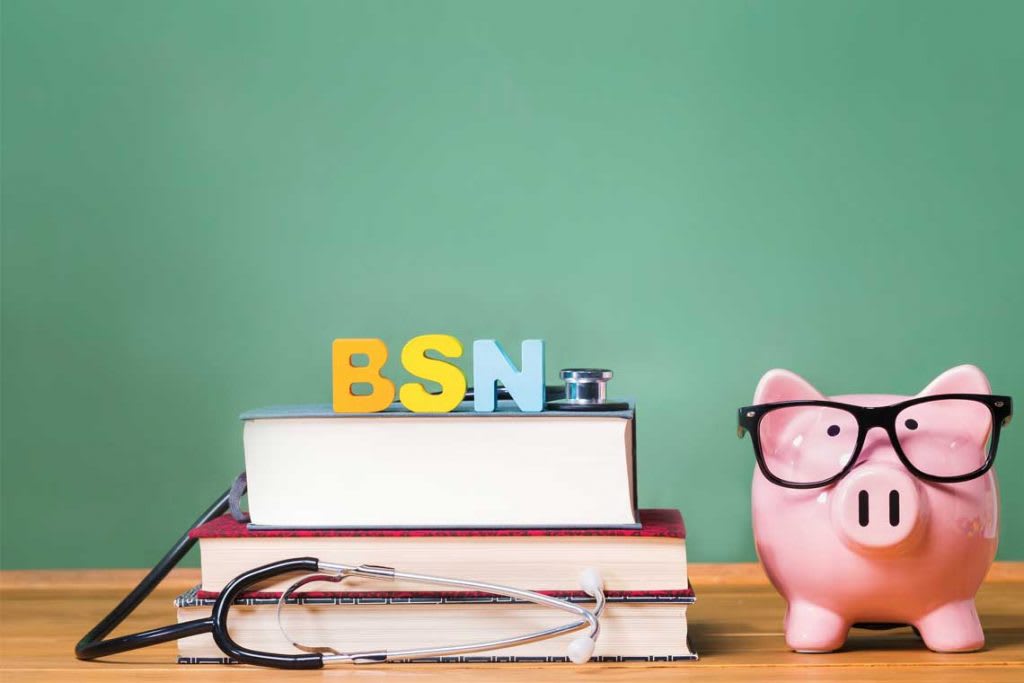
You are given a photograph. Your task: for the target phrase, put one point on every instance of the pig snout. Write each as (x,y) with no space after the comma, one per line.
(877,507)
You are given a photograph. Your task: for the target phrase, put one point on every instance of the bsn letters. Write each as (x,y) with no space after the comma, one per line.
(490,365)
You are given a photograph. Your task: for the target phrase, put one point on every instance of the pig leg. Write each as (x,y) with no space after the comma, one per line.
(812,628)
(954,627)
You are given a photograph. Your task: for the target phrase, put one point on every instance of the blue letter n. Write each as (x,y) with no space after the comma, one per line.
(491,364)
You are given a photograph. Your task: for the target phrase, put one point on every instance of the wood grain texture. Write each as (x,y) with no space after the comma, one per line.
(736,627)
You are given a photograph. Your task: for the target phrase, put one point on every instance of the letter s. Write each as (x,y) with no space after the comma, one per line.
(453,383)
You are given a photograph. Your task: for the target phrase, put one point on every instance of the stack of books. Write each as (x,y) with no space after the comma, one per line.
(530,500)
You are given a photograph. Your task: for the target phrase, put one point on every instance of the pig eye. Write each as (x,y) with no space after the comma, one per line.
(911,423)
(833,430)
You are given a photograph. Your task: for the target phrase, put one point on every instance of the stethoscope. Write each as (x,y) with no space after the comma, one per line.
(579,650)
(585,390)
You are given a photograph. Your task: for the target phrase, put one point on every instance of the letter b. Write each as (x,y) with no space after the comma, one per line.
(345,374)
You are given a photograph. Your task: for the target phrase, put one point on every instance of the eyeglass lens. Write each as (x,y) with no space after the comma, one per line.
(807,444)
(946,438)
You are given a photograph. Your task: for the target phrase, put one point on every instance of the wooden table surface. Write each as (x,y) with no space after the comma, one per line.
(736,627)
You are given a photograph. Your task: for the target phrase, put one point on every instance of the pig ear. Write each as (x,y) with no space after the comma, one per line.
(963,379)
(782,385)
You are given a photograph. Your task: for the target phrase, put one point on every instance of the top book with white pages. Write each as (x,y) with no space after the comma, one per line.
(308,467)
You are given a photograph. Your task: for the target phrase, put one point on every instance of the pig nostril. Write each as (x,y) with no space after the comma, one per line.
(894,508)
(862,500)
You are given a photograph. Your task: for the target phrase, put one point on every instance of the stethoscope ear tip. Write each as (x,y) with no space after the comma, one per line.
(580,650)
(591,582)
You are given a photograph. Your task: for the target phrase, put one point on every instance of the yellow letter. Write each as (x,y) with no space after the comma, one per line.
(345,375)
(452,381)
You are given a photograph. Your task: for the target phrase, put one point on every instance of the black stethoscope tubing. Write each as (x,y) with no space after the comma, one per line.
(92,645)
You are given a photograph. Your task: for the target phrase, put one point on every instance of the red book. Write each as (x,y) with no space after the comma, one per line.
(650,559)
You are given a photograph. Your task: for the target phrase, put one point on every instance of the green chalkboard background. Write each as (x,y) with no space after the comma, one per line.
(199,196)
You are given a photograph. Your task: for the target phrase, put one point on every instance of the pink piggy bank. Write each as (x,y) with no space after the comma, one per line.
(877,509)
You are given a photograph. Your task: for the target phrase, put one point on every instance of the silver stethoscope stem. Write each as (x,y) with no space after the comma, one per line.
(579,650)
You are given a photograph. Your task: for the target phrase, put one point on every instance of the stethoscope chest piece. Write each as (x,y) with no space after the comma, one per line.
(586,390)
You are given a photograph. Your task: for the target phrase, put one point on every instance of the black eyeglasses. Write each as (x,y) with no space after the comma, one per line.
(942,438)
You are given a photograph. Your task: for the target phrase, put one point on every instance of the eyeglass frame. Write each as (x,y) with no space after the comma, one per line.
(868,418)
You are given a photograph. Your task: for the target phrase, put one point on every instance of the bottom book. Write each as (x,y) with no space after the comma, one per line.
(635,626)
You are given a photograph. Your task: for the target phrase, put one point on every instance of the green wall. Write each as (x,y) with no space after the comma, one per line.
(199,196)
